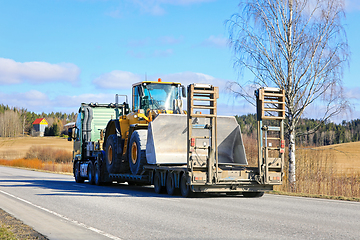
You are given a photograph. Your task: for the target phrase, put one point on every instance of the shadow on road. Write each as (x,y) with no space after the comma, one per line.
(70,188)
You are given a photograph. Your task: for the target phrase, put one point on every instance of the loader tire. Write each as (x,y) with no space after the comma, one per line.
(113,158)
(137,151)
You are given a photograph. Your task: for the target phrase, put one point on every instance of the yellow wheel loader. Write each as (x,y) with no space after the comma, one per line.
(157,143)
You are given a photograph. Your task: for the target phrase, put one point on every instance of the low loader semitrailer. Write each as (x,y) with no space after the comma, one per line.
(157,143)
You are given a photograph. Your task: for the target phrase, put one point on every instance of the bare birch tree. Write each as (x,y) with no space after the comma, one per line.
(10,124)
(296,45)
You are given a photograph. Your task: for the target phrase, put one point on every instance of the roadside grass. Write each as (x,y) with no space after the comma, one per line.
(39,165)
(18,147)
(12,228)
(42,153)
(49,154)
(331,172)
(43,158)
(5,233)
(317,174)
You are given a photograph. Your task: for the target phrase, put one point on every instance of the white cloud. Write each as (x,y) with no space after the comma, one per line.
(12,72)
(36,101)
(187,78)
(215,41)
(155,7)
(117,79)
(123,80)
(238,107)
(32,100)
(75,101)
(352,93)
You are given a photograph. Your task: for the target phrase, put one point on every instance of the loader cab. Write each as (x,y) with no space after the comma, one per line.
(162,96)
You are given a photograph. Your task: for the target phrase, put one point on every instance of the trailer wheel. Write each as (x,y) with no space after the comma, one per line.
(97,177)
(137,151)
(77,176)
(113,160)
(157,183)
(170,183)
(91,173)
(253,194)
(184,188)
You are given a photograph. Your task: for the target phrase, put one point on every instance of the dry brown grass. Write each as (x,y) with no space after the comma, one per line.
(48,154)
(38,164)
(346,157)
(251,150)
(44,153)
(15,148)
(325,171)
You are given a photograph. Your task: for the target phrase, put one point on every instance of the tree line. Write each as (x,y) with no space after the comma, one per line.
(18,121)
(328,132)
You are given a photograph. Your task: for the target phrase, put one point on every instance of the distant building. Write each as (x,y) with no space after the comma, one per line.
(39,127)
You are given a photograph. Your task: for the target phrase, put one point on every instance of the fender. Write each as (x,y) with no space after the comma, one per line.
(113,127)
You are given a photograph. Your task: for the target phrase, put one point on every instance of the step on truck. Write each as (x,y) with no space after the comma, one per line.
(156,142)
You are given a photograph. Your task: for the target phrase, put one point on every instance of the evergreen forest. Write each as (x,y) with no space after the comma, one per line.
(327,132)
(17,122)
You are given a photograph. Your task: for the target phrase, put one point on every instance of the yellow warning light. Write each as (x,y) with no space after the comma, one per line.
(159,79)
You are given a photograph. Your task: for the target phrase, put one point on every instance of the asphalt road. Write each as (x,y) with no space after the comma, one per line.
(59,208)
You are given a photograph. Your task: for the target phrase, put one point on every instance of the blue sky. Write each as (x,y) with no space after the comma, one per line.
(55,54)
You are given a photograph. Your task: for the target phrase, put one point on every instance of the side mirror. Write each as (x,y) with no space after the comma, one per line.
(183,91)
(70,134)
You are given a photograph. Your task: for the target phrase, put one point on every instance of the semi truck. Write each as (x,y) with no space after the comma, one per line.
(156,142)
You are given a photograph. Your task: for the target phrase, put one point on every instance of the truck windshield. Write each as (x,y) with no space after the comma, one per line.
(159,96)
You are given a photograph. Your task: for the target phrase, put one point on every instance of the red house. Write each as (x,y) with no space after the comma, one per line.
(39,127)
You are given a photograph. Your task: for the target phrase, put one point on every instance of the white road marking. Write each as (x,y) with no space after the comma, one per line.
(63,217)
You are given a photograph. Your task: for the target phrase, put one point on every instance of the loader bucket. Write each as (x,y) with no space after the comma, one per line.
(167,140)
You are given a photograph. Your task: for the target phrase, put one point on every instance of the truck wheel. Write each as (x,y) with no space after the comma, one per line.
(184,188)
(170,183)
(77,176)
(97,177)
(113,160)
(157,183)
(91,173)
(137,151)
(253,194)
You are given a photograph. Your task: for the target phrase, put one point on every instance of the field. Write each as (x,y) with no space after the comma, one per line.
(329,170)
(344,157)
(15,148)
